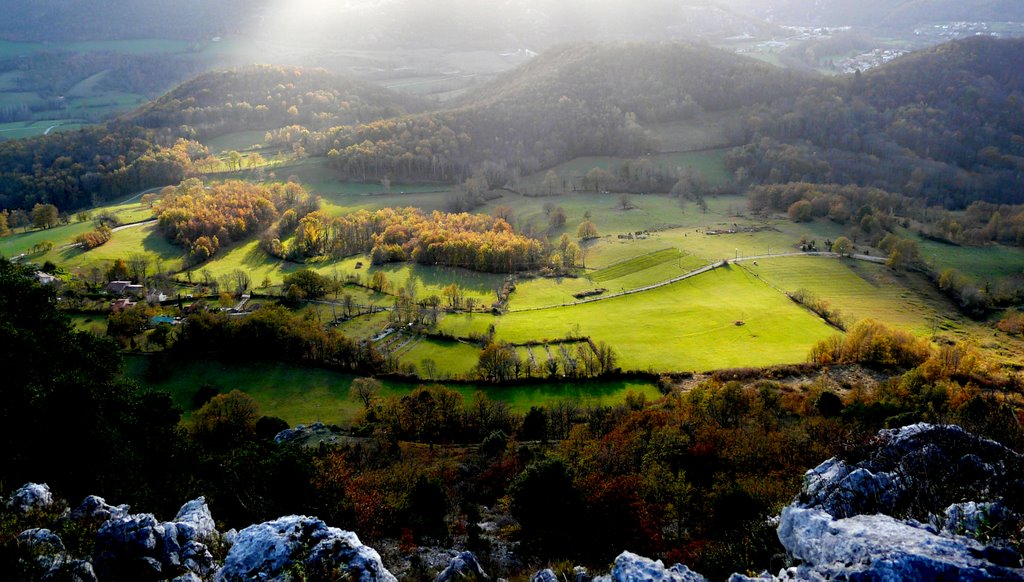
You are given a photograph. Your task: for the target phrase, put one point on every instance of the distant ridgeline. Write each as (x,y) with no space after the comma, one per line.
(944,125)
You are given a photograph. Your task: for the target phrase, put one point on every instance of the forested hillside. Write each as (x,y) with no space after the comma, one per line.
(76,169)
(945,125)
(574,101)
(269,97)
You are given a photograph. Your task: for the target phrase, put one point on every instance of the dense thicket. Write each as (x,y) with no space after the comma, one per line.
(945,125)
(274,333)
(871,212)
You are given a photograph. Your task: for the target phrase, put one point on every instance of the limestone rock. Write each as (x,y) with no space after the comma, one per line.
(916,471)
(197,514)
(74,571)
(265,551)
(140,547)
(461,566)
(630,567)
(45,546)
(545,576)
(300,432)
(31,497)
(880,547)
(96,509)
(897,512)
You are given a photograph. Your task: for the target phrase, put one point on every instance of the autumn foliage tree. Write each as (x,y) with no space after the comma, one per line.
(226,418)
(204,218)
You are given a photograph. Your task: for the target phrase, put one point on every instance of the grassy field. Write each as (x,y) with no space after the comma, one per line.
(303,395)
(630,266)
(451,359)
(987,263)
(690,325)
(95,323)
(239,141)
(858,289)
(124,243)
(709,164)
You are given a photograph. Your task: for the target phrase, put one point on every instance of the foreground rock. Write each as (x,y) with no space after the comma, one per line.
(268,551)
(31,497)
(138,547)
(899,512)
(923,502)
(629,566)
(463,566)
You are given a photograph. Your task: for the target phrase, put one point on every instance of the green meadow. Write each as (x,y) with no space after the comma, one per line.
(721,319)
(304,395)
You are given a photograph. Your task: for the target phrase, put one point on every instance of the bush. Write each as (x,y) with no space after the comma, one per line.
(873,344)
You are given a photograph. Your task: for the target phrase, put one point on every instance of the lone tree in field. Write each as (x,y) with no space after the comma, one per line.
(226,419)
(843,246)
(498,363)
(365,390)
(587,230)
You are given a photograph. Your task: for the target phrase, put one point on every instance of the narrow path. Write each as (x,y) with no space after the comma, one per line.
(700,271)
(51,128)
(133,225)
(140,194)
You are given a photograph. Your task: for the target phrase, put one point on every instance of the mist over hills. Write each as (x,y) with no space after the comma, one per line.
(466,23)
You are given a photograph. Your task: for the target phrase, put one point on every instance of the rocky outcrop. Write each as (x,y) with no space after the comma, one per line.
(916,472)
(31,497)
(141,548)
(268,550)
(301,432)
(629,567)
(899,511)
(463,566)
(96,509)
(880,547)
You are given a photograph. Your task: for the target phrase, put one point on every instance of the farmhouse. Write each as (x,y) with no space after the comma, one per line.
(45,278)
